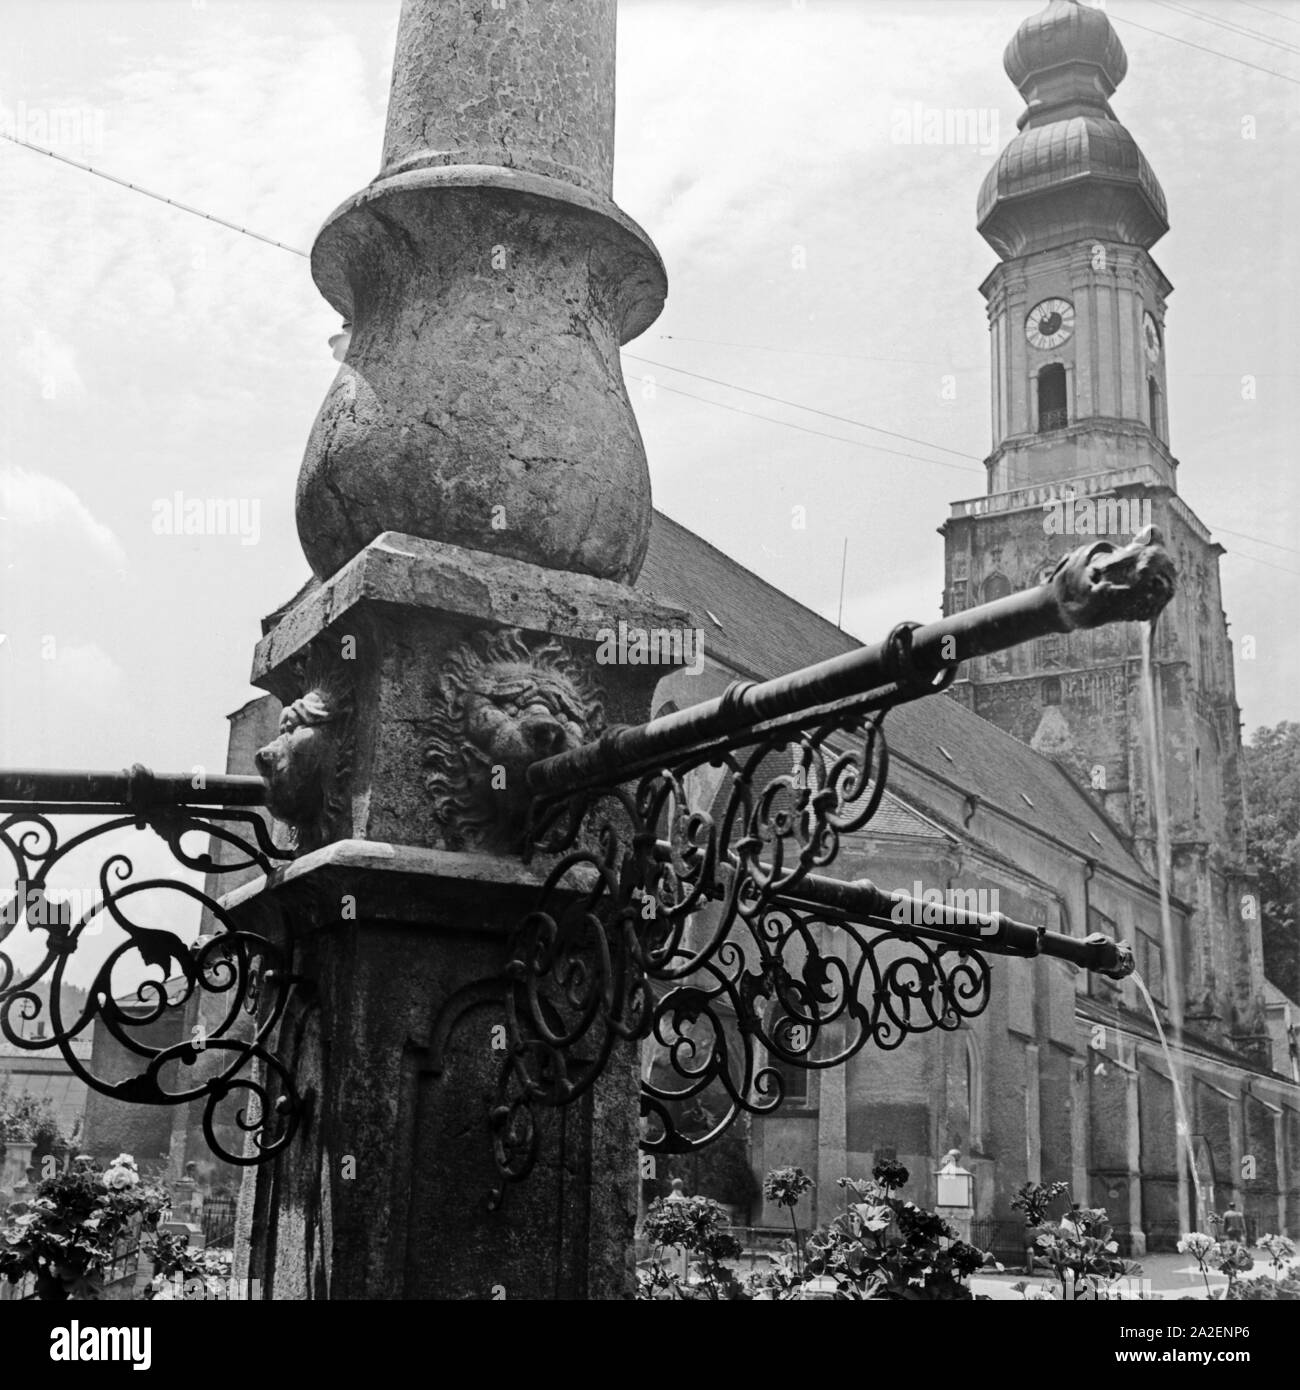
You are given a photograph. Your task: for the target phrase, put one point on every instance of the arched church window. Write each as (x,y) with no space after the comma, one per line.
(1053,411)
(996,586)
(1052,690)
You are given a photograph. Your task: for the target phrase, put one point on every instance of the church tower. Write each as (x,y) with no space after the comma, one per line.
(1076,311)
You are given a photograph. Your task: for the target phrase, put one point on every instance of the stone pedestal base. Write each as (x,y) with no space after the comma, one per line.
(959,1218)
(384,1193)
(419,684)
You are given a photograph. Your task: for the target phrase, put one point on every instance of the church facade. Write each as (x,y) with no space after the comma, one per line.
(1053,807)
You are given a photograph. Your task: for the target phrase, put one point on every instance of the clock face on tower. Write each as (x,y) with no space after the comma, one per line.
(1150,338)
(1050,323)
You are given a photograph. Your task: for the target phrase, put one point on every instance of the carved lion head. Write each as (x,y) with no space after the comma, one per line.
(304,768)
(500,705)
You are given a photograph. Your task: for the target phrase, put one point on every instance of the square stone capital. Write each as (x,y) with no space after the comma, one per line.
(409,573)
(484,894)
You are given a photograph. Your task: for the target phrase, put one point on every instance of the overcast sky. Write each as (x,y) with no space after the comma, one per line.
(149,352)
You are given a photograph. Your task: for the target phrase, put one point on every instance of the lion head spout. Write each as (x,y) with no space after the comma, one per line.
(305,768)
(499,705)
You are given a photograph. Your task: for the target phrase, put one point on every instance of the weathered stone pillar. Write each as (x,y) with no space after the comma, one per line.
(489,281)
(475,500)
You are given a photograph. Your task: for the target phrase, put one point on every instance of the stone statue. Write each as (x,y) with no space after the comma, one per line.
(305,768)
(499,705)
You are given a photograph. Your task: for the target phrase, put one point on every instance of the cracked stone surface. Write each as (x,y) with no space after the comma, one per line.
(490,282)
(529,86)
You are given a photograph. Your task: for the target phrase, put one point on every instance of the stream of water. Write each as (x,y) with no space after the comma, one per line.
(1153,744)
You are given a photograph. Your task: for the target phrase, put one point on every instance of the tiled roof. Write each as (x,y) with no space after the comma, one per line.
(993,765)
(764,632)
(895,817)
(751,625)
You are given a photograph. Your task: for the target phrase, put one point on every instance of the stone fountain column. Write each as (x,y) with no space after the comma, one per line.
(475,502)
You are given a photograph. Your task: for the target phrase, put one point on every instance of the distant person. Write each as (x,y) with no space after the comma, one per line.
(1234,1224)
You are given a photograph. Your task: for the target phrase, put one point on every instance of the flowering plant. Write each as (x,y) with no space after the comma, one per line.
(1279,1249)
(67,1233)
(1233,1259)
(785,1186)
(1084,1255)
(1206,1251)
(882,1247)
(181,1273)
(696,1226)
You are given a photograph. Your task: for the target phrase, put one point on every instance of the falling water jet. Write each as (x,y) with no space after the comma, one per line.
(1154,745)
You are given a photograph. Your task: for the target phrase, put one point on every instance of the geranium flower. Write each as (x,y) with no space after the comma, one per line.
(1197,1245)
(119,1179)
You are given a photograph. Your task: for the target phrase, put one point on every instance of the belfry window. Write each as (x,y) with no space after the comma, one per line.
(1053,412)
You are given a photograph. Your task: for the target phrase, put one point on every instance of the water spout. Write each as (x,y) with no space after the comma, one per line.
(1104,584)
(1153,742)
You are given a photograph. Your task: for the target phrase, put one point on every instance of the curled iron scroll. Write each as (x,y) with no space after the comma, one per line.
(234,982)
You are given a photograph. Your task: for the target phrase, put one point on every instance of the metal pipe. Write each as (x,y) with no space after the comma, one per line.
(862,900)
(131,789)
(1093,585)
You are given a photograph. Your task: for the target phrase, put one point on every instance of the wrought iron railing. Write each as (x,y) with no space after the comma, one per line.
(144,973)
(706,929)
(218,1220)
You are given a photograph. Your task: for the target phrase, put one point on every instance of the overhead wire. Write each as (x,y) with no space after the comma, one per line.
(1202,48)
(717,381)
(1227,24)
(812,410)
(149,193)
(1288,18)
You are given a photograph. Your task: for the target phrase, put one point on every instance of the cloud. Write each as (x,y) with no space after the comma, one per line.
(42,510)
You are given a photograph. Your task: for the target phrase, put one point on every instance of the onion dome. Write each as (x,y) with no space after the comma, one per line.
(1073,171)
(1066,33)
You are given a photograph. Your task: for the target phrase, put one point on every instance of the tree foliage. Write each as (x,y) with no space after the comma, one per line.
(1271,771)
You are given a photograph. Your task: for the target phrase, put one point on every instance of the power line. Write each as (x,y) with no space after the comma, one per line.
(804,429)
(148,193)
(796,405)
(1201,48)
(807,429)
(1255,560)
(1227,24)
(1259,540)
(803,352)
(1274,13)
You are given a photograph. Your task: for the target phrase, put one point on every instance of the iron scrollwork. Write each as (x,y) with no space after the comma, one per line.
(240,978)
(670,912)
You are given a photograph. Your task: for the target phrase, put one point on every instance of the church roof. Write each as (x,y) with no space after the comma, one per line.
(1065,32)
(756,629)
(1073,171)
(1047,159)
(764,633)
